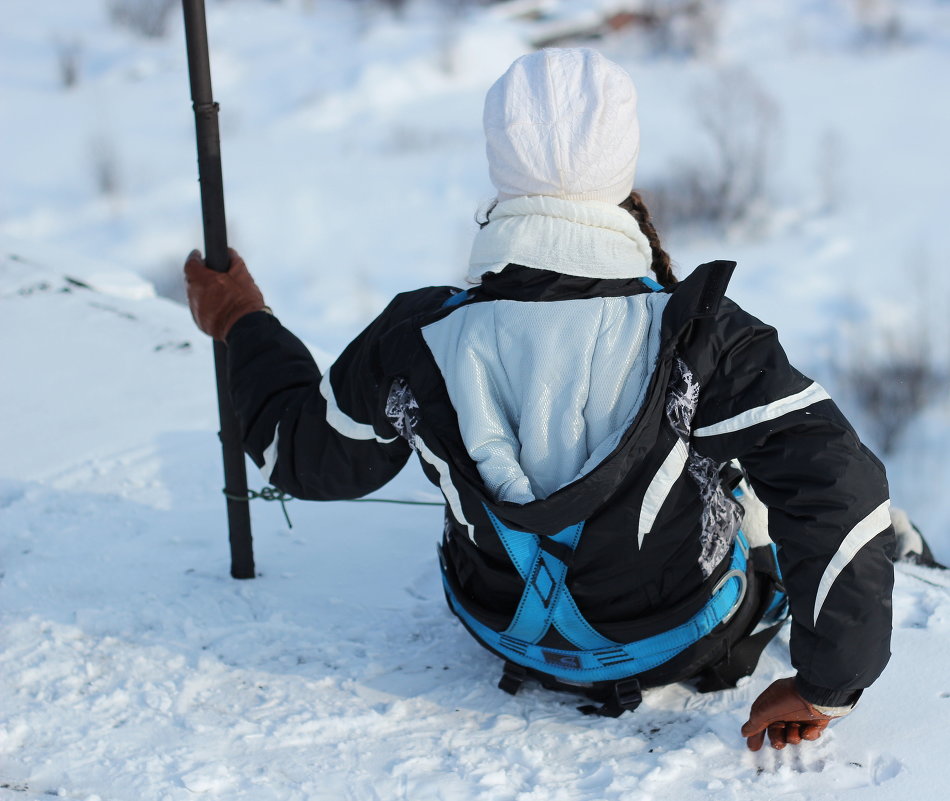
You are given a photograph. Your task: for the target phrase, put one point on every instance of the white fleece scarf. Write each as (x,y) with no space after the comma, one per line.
(590,239)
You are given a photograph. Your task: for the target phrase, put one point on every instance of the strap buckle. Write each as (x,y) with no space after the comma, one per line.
(513,676)
(743,586)
(628,694)
(624,695)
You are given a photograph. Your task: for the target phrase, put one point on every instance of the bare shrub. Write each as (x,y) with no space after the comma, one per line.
(677,28)
(688,28)
(739,121)
(68,60)
(148,18)
(104,161)
(879,23)
(449,22)
(396,7)
(892,378)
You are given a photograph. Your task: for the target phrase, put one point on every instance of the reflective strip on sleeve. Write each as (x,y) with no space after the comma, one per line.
(857,538)
(445,484)
(343,423)
(270,457)
(660,487)
(770,411)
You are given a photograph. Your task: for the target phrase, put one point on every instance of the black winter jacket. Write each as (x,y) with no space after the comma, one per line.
(722,386)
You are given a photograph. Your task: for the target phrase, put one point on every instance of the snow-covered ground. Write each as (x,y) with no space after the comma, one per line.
(133,667)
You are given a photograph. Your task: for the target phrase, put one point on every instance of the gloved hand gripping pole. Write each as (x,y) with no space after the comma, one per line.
(216,257)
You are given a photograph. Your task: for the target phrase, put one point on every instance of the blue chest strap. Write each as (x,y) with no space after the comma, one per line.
(546,602)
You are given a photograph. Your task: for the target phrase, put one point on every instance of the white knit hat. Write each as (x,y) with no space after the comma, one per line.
(563,123)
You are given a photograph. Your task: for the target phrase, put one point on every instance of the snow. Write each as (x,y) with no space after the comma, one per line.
(133,667)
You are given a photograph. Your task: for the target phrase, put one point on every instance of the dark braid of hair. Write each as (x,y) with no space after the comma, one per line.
(661,261)
(488,211)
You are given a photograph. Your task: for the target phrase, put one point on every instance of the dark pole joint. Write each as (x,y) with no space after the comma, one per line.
(205,108)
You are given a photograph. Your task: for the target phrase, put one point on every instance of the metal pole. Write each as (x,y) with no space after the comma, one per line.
(216,257)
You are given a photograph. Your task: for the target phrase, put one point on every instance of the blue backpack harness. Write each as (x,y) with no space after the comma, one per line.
(546,602)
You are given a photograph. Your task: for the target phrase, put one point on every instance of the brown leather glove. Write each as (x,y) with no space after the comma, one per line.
(786,716)
(218,300)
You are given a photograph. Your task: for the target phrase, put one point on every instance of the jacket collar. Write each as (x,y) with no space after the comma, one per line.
(517,282)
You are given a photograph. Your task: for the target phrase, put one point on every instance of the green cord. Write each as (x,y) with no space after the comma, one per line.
(274,494)
(392,500)
(267,494)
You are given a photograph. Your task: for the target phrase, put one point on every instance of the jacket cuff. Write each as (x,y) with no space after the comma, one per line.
(248,321)
(830,702)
